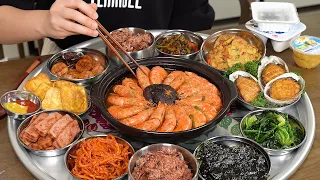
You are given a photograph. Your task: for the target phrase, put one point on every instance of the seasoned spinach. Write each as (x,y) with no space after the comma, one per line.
(273,130)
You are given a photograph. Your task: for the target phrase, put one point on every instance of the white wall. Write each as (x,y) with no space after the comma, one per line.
(11,51)
(225,9)
(231,8)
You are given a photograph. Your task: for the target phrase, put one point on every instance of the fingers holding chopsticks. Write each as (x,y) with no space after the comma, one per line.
(64,19)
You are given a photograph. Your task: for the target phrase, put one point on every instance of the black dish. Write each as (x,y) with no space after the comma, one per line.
(103,87)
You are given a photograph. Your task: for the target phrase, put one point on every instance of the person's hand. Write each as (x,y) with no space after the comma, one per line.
(64,20)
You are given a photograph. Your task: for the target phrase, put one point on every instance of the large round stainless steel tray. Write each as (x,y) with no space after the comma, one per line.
(47,168)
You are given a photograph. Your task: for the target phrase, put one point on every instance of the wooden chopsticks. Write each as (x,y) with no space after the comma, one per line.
(115,52)
(102,30)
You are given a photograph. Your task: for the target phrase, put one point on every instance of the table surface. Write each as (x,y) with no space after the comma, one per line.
(12,71)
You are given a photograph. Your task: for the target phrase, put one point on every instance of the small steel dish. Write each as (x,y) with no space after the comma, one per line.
(234,141)
(68,160)
(275,152)
(250,37)
(144,53)
(189,157)
(95,55)
(19,95)
(54,152)
(190,36)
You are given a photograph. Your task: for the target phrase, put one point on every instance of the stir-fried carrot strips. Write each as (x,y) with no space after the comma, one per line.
(101,158)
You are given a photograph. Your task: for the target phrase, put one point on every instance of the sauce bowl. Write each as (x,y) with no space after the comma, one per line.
(19,95)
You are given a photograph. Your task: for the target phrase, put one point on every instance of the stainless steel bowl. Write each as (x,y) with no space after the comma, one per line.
(275,152)
(189,157)
(144,53)
(232,141)
(19,95)
(54,152)
(250,37)
(95,54)
(68,160)
(191,36)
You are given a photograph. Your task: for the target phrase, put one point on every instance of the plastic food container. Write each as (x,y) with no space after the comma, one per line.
(280,40)
(306,51)
(274,16)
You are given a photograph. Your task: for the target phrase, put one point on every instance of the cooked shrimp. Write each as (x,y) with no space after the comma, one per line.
(138,118)
(159,112)
(155,120)
(127,81)
(197,117)
(210,98)
(59,69)
(209,111)
(169,122)
(126,101)
(189,88)
(149,125)
(157,75)
(132,84)
(183,120)
(213,99)
(85,74)
(172,76)
(97,70)
(84,64)
(195,87)
(143,79)
(203,81)
(120,112)
(178,81)
(126,91)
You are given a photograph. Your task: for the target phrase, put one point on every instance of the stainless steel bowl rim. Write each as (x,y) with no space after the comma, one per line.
(252,107)
(95,136)
(146,32)
(179,31)
(164,145)
(49,111)
(238,139)
(27,92)
(53,58)
(273,150)
(224,31)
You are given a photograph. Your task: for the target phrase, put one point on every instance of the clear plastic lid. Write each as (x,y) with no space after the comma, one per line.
(274,12)
(306,45)
(278,36)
